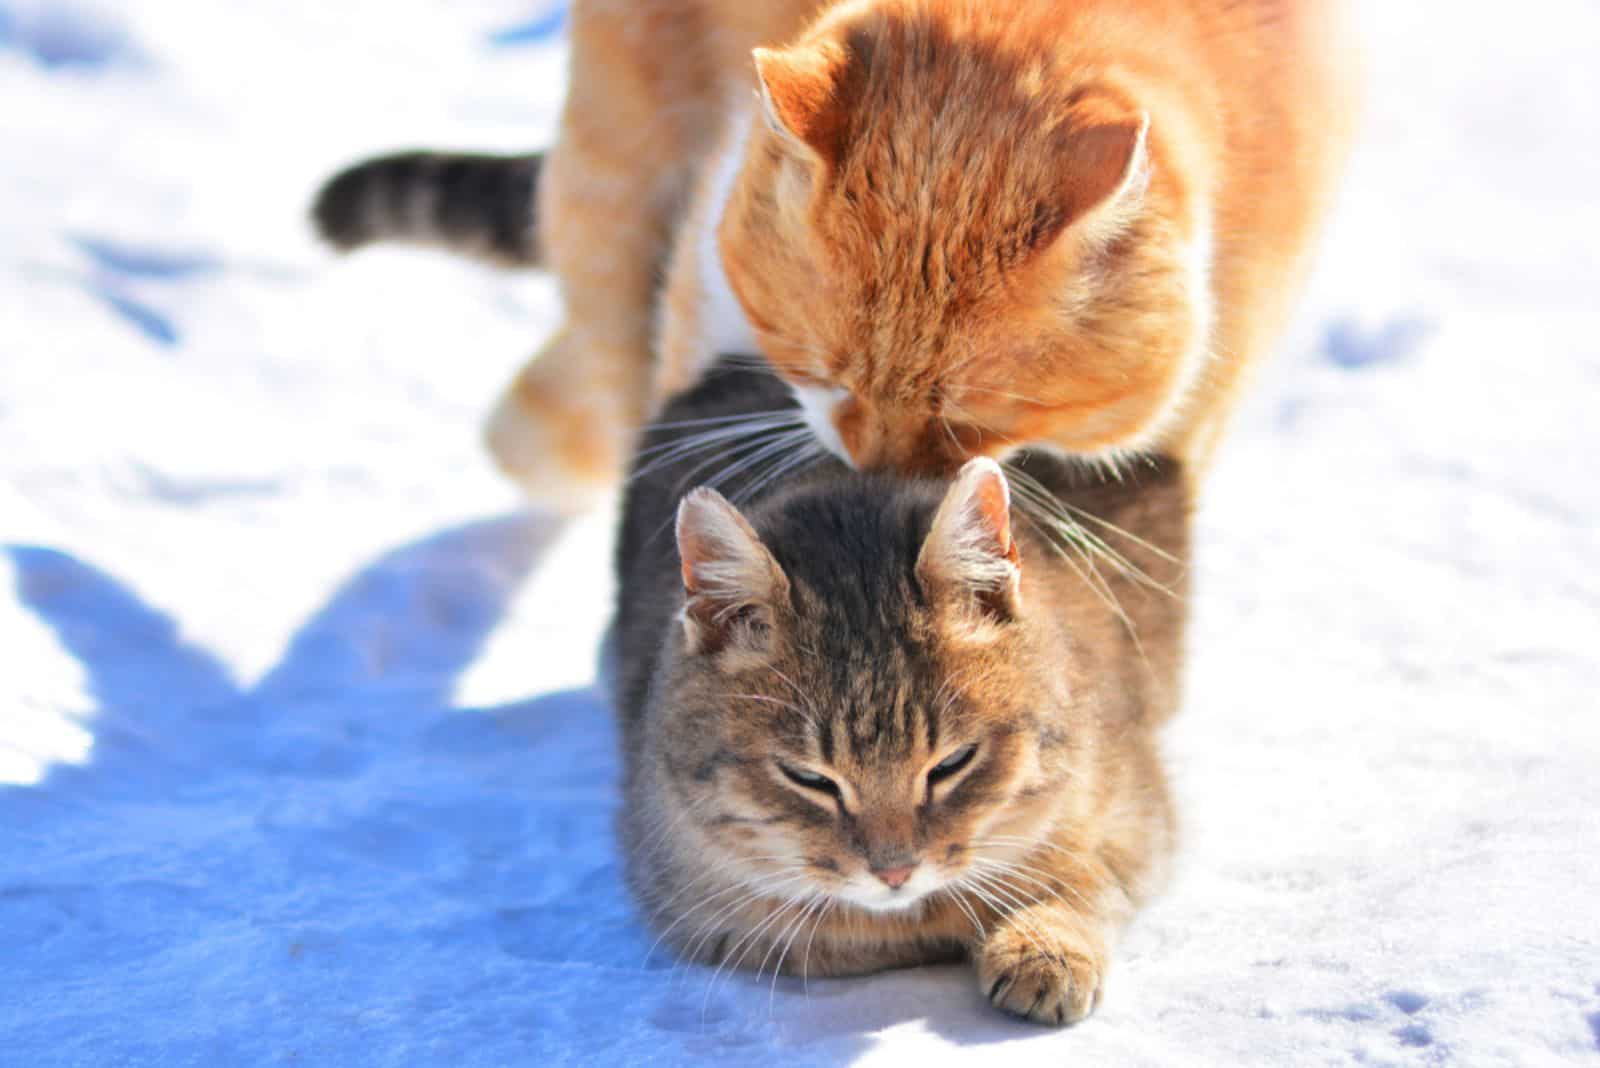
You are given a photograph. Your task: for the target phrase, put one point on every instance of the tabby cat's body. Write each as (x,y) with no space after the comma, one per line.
(870,723)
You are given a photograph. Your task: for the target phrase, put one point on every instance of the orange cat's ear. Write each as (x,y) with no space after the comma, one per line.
(1105,164)
(805,95)
(969,557)
(731,583)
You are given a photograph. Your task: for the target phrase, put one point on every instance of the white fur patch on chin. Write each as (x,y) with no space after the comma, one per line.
(817,404)
(869,894)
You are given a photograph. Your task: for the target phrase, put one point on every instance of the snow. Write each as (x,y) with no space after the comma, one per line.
(299,761)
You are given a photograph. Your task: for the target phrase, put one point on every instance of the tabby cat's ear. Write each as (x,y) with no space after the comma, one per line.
(969,559)
(1104,167)
(806,95)
(732,585)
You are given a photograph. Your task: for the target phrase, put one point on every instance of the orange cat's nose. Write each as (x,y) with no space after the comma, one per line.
(903,448)
(895,878)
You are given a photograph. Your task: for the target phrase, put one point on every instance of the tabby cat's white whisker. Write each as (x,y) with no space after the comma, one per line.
(711,926)
(754,890)
(954,893)
(787,937)
(705,902)
(749,941)
(805,957)
(1019,903)
(1060,884)
(1054,888)
(984,890)
(1029,844)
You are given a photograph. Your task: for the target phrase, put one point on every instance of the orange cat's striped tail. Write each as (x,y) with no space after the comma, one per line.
(478,205)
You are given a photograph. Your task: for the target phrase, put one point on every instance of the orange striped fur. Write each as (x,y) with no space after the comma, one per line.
(956,226)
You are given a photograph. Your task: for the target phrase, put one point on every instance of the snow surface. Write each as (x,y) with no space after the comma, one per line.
(299,759)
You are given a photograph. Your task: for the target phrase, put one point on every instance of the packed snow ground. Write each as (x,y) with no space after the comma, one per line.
(298,762)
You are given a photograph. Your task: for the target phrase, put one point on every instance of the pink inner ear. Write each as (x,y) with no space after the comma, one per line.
(1100,147)
(709,531)
(992,502)
(691,553)
(806,95)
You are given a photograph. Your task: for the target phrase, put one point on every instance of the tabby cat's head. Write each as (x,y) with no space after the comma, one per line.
(953,237)
(862,703)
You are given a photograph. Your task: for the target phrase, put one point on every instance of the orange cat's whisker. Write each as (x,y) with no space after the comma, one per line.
(789,342)
(673,451)
(780,444)
(762,443)
(1064,529)
(806,451)
(1121,533)
(1089,576)
(1003,393)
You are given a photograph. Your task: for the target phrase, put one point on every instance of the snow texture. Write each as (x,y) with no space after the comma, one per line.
(299,761)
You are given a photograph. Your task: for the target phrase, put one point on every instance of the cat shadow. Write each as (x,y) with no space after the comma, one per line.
(349,774)
(400,630)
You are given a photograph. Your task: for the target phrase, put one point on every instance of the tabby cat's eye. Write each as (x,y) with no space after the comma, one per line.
(810,780)
(952,764)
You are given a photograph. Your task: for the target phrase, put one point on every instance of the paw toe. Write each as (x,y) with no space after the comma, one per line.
(1047,990)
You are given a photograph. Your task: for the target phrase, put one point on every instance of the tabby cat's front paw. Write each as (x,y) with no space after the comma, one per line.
(1057,984)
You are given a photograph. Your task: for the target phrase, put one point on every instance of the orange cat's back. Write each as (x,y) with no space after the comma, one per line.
(970,225)
(1286,77)
(1235,121)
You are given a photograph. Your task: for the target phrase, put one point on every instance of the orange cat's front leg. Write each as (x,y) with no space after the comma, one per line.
(701,319)
(611,187)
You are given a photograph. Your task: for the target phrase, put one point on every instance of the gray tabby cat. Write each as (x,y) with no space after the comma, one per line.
(871,723)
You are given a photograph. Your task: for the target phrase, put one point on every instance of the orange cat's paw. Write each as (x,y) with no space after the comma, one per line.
(560,436)
(1057,985)
(560,463)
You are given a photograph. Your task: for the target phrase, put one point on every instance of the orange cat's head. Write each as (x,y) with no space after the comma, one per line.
(952,244)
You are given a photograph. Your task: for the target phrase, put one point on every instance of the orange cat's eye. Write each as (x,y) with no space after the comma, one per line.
(810,780)
(951,764)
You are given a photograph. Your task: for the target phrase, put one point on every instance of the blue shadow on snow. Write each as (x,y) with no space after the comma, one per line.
(546,26)
(63,37)
(337,865)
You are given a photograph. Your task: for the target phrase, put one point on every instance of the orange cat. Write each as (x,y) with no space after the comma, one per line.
(955,227)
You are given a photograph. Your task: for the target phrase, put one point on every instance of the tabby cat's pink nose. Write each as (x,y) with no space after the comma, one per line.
(895,878)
